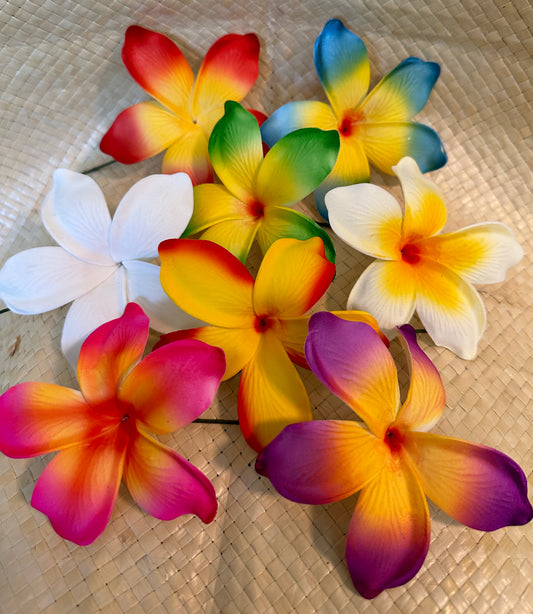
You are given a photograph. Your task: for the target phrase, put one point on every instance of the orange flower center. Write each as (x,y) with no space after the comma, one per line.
(393,438)
(349,122)
(256,209)
(262,323)
(410,253)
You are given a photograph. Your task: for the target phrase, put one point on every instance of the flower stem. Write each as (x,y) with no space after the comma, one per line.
(97,168)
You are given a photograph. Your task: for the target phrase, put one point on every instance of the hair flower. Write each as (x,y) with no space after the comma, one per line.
(419,269)
(392,461)
(184,111)
(374,127)
(100,263)
(258,190)
(102,432)
(260,324)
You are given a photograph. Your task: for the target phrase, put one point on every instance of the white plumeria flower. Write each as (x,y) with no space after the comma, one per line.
(418,268)
(100,263)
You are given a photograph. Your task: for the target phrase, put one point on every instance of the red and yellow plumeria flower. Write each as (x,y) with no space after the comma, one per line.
(258,191)
(391,460)
(419,269)
(374,127)
(184,111)
(260,324)
(102,431)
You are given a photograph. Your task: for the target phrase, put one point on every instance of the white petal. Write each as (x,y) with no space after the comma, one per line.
(43,278)
(156,208)
(76,216)
(144,288)
(366,217)
(105,302)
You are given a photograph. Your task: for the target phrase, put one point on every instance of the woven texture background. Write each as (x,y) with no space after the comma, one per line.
(62,83)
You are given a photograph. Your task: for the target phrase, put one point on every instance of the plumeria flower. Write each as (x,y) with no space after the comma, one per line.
(419,269)
(102,432)
(184,111)
(100,264)
(392,461)
(258,190)
(260,324)
(374,127)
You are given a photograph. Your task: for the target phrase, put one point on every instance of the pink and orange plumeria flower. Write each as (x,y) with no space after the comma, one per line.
(419,268)
(184,111)
(258,191)
(392,460)
(260,324)
(102,432)
(374,127)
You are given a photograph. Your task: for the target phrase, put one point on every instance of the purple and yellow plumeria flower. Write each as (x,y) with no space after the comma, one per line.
(184,111)
(102,432)
(260,324)
(258,190)
(392,461)
(374,127)
(419,268)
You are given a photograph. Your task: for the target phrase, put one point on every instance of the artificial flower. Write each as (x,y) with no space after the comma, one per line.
(258,190)
(184,111)
(260,324)
(100,264)
(374,127)
(419,269)
(102,432)
(392,461)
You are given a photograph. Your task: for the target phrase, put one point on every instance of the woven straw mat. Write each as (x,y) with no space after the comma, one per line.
(62,82)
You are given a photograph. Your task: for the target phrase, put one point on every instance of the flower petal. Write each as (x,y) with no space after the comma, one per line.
(321,461)
(156,208)
(296,165)
(389,533)
(478,486)
(79,486)
(425,211)
(426,398)
(189,155)
(43,278)
(228,71)
(144,288)
(480,254)
(165,484)
(292,333)
(280,223)
(387,290)
(110,352)
(367,218)
(208,282)
(174,385)
(37,418)
(237,236)
(238,344)
(292,277)
(159,67)
(342,65)
(353,362)
(402,93)
(236,151)
(142,131)
(271,394)
(75,214)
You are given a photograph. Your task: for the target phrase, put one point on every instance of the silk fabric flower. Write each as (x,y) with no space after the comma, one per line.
(184,111)
(102,432)
(100,263)
(392,460)
(260,324)
(419,269)
(374,127)
(258,190)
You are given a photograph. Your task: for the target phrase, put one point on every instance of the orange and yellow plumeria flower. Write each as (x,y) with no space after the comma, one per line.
(419,269)
(392,460)
(102,432)
(260,324)
(184,111)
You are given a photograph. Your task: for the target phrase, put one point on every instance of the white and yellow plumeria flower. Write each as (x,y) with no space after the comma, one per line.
(418,268)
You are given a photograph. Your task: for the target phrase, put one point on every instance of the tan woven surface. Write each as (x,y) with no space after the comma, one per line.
(62,83)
